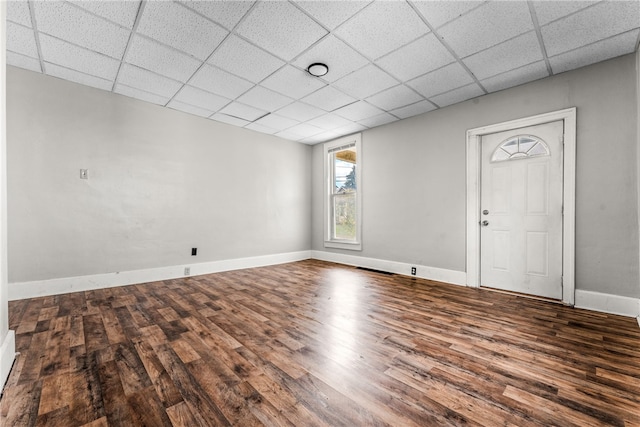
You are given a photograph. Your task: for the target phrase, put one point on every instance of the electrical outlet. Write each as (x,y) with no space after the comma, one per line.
(194,251)
(413,271)
(187,271)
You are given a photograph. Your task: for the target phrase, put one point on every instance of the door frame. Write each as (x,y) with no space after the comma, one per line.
(474,162)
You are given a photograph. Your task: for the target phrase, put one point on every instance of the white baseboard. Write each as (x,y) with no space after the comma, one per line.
(7,356)
(422,271)
(39,288)
(608,303)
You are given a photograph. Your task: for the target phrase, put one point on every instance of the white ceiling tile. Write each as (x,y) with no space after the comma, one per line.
(457,95)
(350,129)
(382,27)
(147,81)
(78,77)
(219,117)
(596,52)
(245,60)
(300,111)
(547,11)
(332,13)
(603,20)
(21,40)
(328,98)
(441,80)
(305,130)
(395,97)
(275,121)
(242,111)
(226,13)
(417,58)
(288,33)
(179,27)
(261,128)
(264,99)
(22,61)
(339,57)
(366,82)
(201,99)
(528,73)
(414,109)
(486,26)
(506,56)
(292,82)
(358,111)
(188,108)
(68,22)
(321,137)
(140,94)
(291,136)
(120,12)
(220,82)
(76,58)
(379,120)
(438,13)
(18,12)
(329,121)
(161,59)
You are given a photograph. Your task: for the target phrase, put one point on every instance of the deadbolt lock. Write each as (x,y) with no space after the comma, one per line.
(485,212)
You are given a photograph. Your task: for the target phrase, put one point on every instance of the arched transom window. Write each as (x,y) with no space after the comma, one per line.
(520,147)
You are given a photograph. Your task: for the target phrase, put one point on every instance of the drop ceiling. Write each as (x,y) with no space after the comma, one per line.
(243,62)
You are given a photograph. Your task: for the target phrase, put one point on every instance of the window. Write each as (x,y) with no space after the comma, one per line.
(343,167)
(520,147)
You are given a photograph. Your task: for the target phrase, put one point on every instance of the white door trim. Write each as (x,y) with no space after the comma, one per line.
(474,139)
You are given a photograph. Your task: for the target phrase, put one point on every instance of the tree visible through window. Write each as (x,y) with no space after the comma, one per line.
(344,195)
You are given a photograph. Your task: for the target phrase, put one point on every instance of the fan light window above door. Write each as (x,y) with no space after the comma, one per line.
(520,147)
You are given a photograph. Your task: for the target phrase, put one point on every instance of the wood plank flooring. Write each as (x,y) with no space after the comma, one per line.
(317,344)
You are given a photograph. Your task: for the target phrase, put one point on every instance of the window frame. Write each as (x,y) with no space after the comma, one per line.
(329,241)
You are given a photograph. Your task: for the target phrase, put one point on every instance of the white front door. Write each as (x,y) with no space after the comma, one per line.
(521,210)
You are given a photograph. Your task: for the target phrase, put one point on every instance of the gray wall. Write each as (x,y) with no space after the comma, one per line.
(414,176)
(160,182)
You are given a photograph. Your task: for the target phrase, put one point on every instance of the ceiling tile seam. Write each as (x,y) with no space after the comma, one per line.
(202,65)
(574,13)
(36,35)
(142,90)
(301,9)
(393,87)
(481,4)
(215,49)
(498,44)
(352,17)
(77,45)
(102,18)
(599,41)
(217,24)
(136,22)
(506,72)
(21,54)
(536,26)
(77,71)
(451,51)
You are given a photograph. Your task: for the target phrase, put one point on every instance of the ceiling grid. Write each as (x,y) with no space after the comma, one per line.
(244,62)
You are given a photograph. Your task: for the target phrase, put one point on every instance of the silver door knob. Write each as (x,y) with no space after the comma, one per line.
(485,223)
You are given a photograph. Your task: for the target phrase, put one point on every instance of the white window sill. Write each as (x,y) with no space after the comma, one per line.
(353,246)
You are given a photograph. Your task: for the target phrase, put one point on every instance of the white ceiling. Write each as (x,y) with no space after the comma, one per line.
(243,62)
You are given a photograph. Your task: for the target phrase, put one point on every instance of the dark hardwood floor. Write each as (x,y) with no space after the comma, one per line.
(314,344)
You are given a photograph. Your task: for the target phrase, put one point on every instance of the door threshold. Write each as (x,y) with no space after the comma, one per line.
(520,294)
